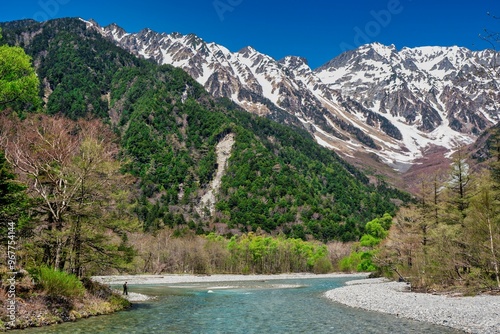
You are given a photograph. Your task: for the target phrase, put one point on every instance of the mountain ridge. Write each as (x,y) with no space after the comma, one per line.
(376,100)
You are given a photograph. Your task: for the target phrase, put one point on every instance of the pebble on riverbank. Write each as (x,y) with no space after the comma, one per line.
(479,314)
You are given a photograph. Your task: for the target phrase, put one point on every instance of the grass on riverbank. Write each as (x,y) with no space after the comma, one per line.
(38,303)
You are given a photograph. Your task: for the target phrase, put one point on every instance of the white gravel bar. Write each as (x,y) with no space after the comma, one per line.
(181,278)
(186,278)
(478,314)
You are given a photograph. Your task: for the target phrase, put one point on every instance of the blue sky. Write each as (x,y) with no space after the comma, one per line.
(316,30)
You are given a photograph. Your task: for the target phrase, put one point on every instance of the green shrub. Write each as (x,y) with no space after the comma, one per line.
(350,263)
(358,261)
(368,240)
(58,283)
(366,264)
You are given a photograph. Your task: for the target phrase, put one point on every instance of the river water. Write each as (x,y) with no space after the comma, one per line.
(274,306)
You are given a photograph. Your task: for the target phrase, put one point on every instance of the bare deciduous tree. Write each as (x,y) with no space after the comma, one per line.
(71,168)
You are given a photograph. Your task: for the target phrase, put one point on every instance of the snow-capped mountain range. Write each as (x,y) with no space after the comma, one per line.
(394,104)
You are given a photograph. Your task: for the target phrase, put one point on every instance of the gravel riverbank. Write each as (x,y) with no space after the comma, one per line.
(479,314)
(173,279)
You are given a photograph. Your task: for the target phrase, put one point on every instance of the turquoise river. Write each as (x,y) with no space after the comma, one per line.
(274,306)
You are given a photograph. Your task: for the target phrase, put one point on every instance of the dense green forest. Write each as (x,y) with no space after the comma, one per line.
(277,177)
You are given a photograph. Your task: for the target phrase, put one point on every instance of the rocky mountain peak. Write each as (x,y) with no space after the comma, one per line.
(294,62)
(115,28)
(247,51)
(377,50)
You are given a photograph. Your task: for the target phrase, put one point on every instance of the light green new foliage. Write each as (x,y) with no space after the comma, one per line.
(58,283)
(267,254)
(375,233)
(18,80)
(361,258)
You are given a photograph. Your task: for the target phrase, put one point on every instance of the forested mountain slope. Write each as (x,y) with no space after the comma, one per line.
(276,177)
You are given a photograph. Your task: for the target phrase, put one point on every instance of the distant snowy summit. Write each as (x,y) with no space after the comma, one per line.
(374,100)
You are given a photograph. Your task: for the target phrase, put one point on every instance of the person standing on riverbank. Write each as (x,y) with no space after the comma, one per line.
(125,288)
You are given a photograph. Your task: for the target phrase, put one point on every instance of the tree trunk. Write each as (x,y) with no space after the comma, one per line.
(493,255)
(77,249)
